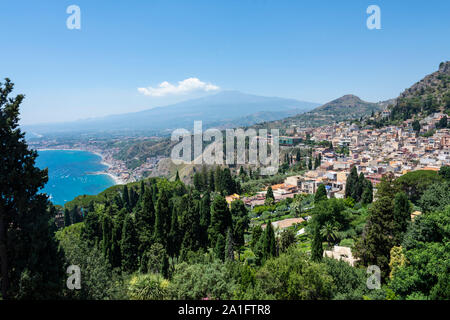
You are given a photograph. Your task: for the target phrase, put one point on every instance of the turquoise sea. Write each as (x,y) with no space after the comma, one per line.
(72,173)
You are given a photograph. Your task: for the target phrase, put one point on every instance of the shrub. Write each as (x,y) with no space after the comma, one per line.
(148,287)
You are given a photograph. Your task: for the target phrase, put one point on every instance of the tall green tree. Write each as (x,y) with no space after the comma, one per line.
(287,239)
(116,238)
(205,218)
(321,194)
(220,219)
(378,237)
(30,266)
(190,221)
(359,187)
(229,245)
(67,218)
(75,214)
(129,245)
(126,197)
(402,216)
(367,194)
(219,247)
(197,181)
(162,219)
(204,177)
(145,221)
(211,181)
(269,244)
(316,162)
(351,182)
(241,222)
(270,198)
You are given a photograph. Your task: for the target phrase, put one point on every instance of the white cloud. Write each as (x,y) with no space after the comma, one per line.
(185,86)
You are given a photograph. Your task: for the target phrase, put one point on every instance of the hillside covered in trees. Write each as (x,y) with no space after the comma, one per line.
(161,239)
(165,240)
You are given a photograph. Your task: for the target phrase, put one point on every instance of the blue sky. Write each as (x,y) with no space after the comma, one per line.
(308,50)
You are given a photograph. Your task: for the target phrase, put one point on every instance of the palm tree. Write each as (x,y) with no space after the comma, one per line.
(330,232)
(297,205)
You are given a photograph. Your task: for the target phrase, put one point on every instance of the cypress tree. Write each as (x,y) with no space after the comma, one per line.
(133,198)
(242,172)
(211,181)
(75,215)
(116,254)
(145,221)
(191,225)
(129,245)
(378,236)
(67,219)
(175,236)
(125,197)
(219,248)
(321,194)
(218,183)
(269,243)
(241,222)
(359,187)
(92,229)
(229,247)
(220,219)
(28,249)
(105,244)
(316,163)
(162,220)
(204,177)
(118,201)
(351,182)
(197,181)
(228,184)
(367,195)
(177,177)
(205,218)
(402,216)
(256,236)
(142,191)
(239,230)
(270,198)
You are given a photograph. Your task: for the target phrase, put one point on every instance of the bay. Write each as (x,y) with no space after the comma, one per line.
(72,173)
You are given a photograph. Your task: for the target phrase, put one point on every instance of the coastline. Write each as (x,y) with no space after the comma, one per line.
(117,180)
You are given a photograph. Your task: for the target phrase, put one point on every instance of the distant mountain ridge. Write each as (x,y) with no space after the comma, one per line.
(344,108)
(222,109)
(347,105)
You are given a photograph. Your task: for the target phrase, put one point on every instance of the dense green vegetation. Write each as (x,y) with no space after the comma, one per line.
(208,249)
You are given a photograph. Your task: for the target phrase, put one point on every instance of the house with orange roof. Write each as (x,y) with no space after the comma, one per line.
(231,198)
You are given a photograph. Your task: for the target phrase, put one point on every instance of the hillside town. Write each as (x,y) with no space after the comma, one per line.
(374,152)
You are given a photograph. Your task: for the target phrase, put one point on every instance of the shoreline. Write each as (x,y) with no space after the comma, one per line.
(117,180)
